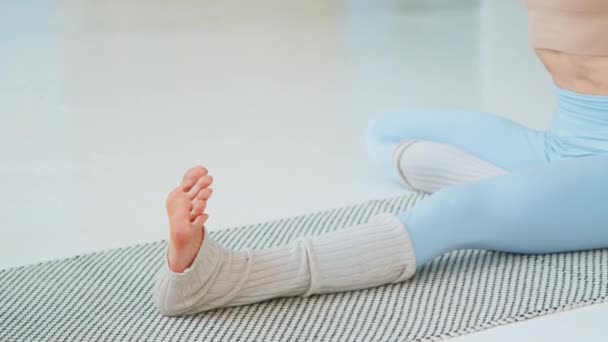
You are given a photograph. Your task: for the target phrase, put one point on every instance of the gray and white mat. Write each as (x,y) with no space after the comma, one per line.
(106,295)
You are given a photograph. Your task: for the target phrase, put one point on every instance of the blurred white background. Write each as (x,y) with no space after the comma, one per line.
(104,105)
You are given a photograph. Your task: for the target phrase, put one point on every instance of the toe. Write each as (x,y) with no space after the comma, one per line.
(197,208)
(201,184)
(175,197)
(199,221)
(204,194)
(192,176)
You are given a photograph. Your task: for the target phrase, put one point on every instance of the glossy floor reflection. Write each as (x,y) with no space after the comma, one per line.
(104,105)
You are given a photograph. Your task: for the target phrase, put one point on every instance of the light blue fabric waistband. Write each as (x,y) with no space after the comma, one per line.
(579,126)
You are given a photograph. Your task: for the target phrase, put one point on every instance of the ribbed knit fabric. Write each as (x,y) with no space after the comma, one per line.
(362,256)
(430,166)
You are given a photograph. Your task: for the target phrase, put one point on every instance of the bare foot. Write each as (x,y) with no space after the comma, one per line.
(186,210)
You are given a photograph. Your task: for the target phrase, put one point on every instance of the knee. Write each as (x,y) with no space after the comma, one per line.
(382,138)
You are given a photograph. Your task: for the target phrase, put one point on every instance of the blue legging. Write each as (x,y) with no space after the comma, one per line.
(554,198)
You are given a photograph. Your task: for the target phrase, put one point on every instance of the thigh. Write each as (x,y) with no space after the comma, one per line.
(494,139)
(556,207)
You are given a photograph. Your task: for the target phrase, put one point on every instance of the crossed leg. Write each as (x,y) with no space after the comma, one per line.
(551,208)
(441,148)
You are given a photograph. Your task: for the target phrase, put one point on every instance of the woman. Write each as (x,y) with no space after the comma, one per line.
(496,185)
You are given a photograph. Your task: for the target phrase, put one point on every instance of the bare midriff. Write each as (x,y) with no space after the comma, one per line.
(571,39)
(581,74)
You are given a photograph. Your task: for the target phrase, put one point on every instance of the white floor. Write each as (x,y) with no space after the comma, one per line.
(104,104)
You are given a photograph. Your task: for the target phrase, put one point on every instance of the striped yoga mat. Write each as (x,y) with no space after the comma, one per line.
(107,295)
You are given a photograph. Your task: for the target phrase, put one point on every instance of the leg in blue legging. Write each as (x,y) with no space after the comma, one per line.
(579,128)
(494,139)
(558,205)
(552,208)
